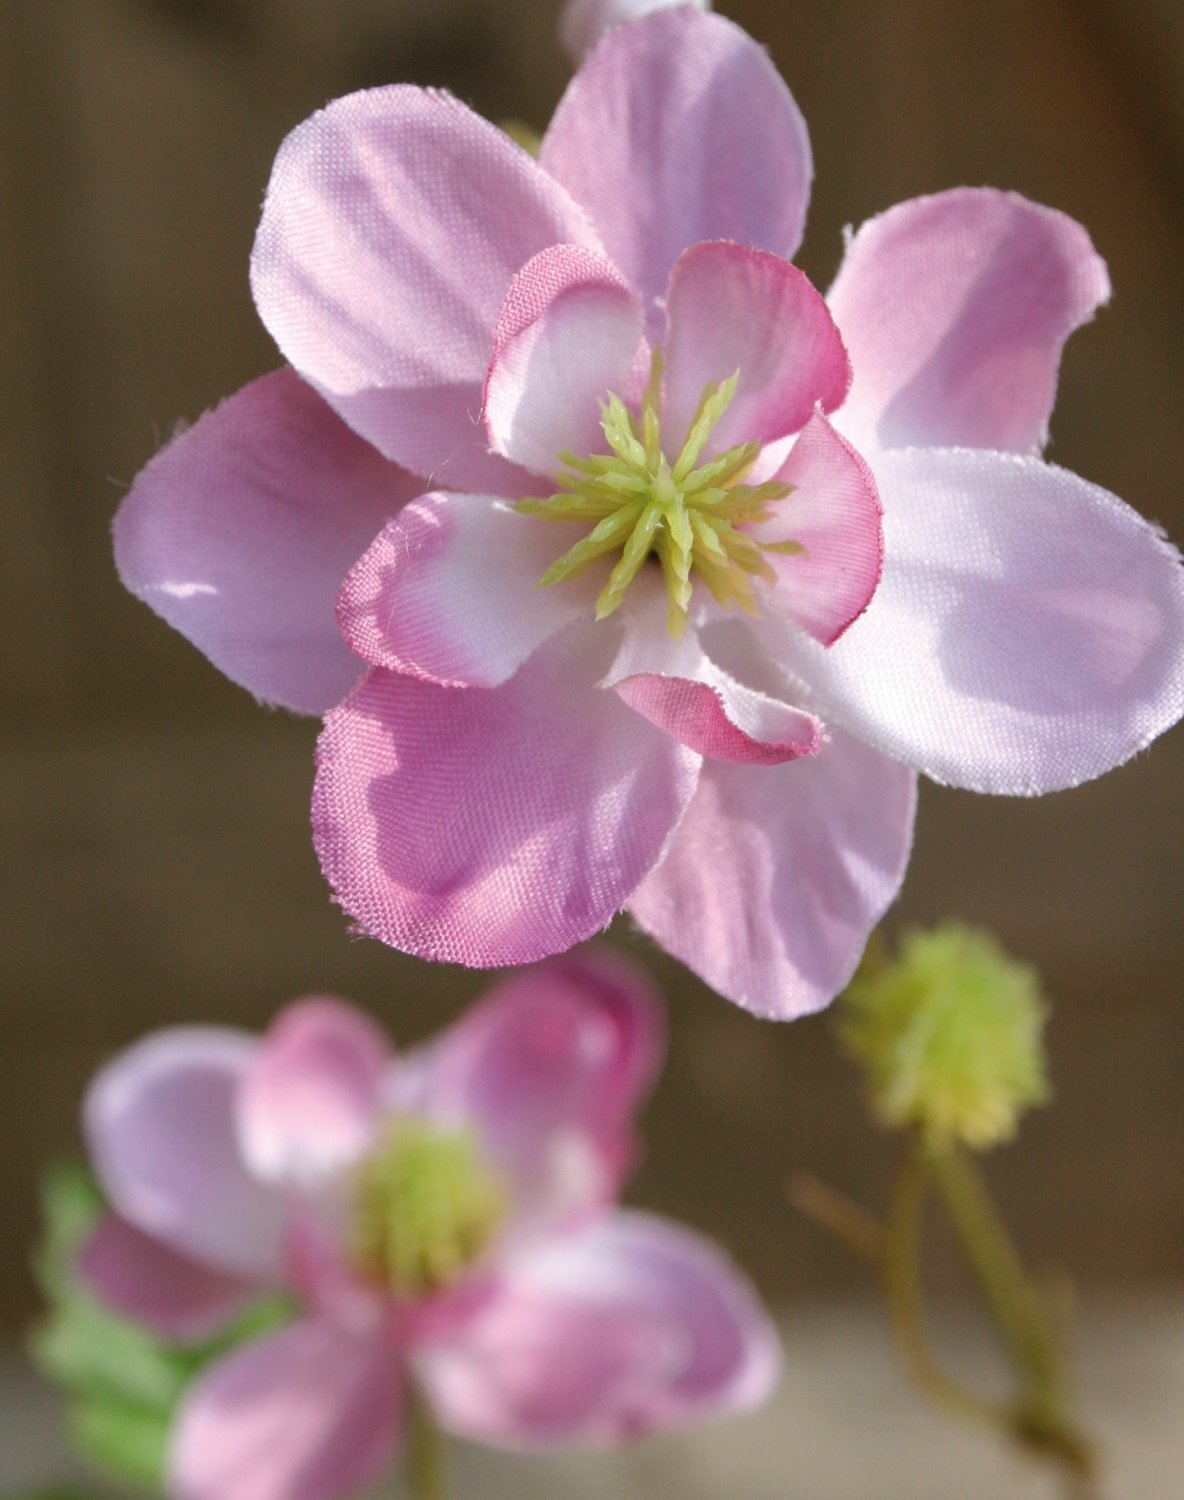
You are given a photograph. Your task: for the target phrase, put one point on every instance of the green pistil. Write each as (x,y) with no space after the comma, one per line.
(640,504)
(427,1206)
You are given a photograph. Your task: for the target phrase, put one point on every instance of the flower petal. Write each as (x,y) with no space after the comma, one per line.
(394,222)
(449,591)
(584,22)
(1026,634)
(679,129)
(630,1325)
(240,532)
(160,1124)
(135,1275)
(311,1097)
(548,1069)
(730,309)
(777,875)
(955,309)
(311,1413)
(568,334)
(834,513)
(492,826)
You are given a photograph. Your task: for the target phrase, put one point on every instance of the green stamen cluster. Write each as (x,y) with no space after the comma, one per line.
(427,1206)
(641,504)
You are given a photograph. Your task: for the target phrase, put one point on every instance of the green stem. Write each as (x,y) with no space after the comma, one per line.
(426,1467)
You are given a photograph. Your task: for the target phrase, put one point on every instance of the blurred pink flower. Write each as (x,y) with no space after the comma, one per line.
(445,1217)
(512,770)
(583,22)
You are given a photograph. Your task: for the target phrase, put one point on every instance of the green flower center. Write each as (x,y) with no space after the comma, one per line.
(427,1206)
(689,515)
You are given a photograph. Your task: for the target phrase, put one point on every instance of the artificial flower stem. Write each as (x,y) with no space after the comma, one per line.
(838,1215)
(426,1460)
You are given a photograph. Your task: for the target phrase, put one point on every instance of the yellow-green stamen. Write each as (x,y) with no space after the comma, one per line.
(427,1205)
(641,505)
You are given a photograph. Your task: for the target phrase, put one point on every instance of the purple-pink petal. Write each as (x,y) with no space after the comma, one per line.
(312,1413)
(449,591)
(777,875)
(631,1325)
(140,1277)
(723,719)
(1026,634)
(731,310)
(160,1126)
(492,826)
(954,309)
(584,22)
(678,129)
(567,335)
(240,532)
(834,512)
(394,222)
(311,1098)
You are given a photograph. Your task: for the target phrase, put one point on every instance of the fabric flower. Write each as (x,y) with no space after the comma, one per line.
(617,386)
(444,1218)
(583,22)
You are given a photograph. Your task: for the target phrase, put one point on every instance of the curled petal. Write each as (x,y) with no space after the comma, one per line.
(160,1124)
(706,143)
(394,222)
(1026,634)
(492,826)
(955,309)
(311,1097)
(312,1413)
(777,875)
(178,1298)
(240,532)
(628,1326)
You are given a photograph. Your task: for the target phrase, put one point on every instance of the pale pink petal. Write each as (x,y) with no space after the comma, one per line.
(733,310)
(1026,635)
(141,1278)
(630,1325)
(834,512)
(160,1125)
(584,22)
(492,826)
(778,874)
(567,336)
(312,1413)
(240,532)
(678,129)
(955,309)
(393,225)
(548,1070)
(450,592)
(311,1098)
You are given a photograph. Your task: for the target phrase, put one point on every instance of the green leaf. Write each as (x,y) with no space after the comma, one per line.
(126,1441)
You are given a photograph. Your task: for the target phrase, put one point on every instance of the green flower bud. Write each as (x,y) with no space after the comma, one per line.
(950,1035)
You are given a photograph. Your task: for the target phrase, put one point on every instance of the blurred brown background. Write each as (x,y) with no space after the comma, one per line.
(157,860)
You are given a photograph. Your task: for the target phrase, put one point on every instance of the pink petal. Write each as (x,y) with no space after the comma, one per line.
(160,1124)
(567,335)
(955,309)
(548,1069)
(630,1325)
(722,719)
(1026,634)
(394,222)
(732,309)
(141,1278)
(312,1413)
(777,876)
(312,1094)
(834,512)
(240,532)
(492,826)
(678,129)
(449,591)
(584,22)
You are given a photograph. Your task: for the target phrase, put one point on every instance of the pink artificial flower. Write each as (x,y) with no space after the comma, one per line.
(445,1217)
(520,763)
(583,22)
